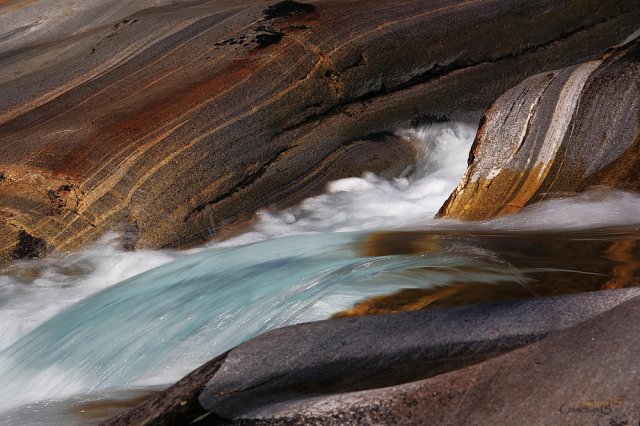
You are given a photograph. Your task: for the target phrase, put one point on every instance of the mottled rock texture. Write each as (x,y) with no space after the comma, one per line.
(555,134)
(173,121)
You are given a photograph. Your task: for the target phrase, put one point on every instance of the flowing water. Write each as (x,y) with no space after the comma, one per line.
(95,322)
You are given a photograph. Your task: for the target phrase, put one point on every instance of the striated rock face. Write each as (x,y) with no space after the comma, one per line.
(173,119)
(556,133)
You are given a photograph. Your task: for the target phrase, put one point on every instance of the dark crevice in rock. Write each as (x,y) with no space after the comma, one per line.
(113,32)
(425,119)
(178,404)
(230,42)
(287,8)
(297,184)
(474,146)
(28,246)
(438,71)
(267,39)
(267,36)
(373,137)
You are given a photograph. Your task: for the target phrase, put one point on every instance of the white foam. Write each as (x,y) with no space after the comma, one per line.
(35,290)
(371,202)
(45,383)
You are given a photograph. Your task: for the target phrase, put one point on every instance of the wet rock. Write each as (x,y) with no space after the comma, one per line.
(555,134)
(165,129)
(287,8)
(277,372)
(553,263)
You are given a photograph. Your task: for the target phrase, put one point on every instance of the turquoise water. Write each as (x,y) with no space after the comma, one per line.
(157,326)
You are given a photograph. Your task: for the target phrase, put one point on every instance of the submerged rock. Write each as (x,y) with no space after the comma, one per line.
(290,375)
(555,134)
(176,120)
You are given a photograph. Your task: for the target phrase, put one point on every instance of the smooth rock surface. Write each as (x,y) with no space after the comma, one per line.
(584,375)
(273,373)
(555,134)
(173,121)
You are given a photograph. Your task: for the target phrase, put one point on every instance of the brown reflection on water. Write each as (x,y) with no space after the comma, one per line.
(554,263)
(622,252)
(93,412)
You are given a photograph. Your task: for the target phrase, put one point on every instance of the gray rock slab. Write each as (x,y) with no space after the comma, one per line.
(347,355)
(585,375)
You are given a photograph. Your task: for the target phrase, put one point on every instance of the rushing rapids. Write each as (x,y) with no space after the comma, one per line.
(255,287)
(152,328)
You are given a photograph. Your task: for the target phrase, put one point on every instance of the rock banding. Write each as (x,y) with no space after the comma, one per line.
(174,121)
(554,134)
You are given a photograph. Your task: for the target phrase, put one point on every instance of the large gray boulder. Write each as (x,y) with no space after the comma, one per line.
(585,375)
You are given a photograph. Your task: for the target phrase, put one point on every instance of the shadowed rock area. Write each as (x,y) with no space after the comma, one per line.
(173,121)
(317,373)
(554,134)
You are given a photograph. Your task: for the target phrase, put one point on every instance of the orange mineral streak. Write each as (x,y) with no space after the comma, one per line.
(505,194)
(139,126)
(455,294)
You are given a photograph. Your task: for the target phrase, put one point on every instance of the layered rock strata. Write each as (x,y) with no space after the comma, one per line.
(555,134)
(173,121)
